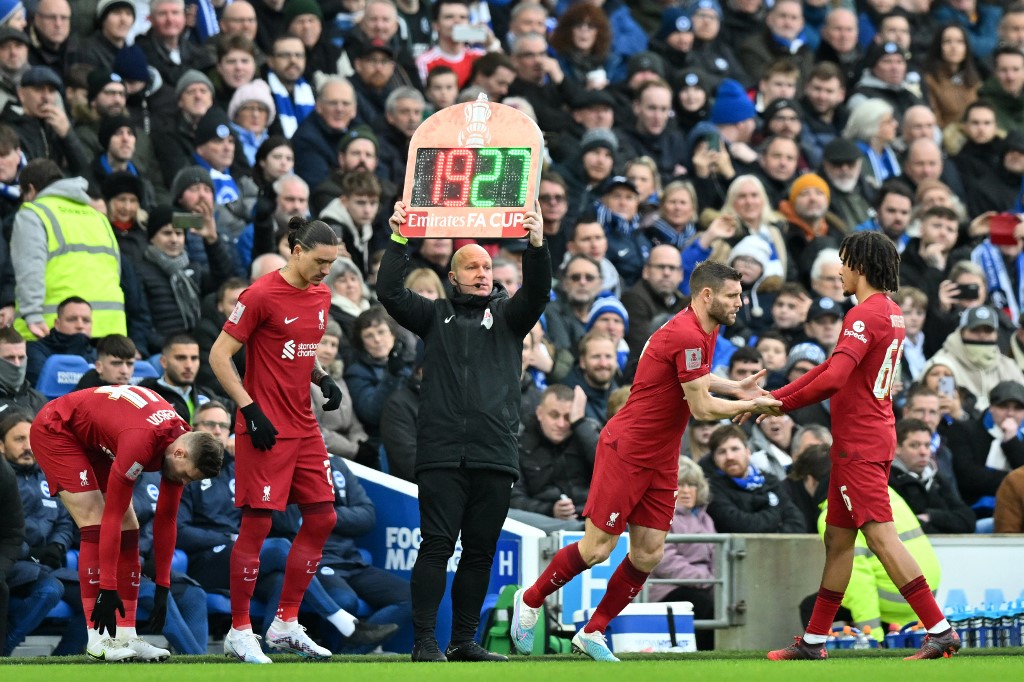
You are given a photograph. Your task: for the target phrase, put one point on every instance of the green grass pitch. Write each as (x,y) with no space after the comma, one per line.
(884,666)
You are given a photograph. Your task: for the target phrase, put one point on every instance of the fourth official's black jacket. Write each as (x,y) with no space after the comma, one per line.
(469,405)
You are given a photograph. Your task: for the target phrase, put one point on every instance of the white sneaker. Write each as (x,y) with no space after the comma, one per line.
(594,645)
(144,651)
(245,646)
(524,619)
(292,637)
(109,650)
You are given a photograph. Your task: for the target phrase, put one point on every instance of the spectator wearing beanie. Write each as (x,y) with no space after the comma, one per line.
(252,112)
(15,64)
(712,51)
(114,22)
(305,19)
(674,38)
(598,369)
(146,94)
(119,151)
(811,227)
(192,192)
(610,317)
(164,45)
(193,95)
(653,134)
(123,192)
(106,95)
(172,284)
(585,173)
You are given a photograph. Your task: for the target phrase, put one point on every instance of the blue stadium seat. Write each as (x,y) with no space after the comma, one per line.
(956,599)
(60,374)
(994,595)
(72,558)
(144,370)
(179,562)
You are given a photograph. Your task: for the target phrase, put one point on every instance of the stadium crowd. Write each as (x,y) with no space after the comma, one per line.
(152,154)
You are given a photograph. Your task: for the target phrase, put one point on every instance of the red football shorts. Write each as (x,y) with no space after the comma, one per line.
(622,492)
(294,471)
(65,462)
(858,492)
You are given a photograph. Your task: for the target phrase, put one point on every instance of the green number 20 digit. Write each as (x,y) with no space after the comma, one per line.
(474,194)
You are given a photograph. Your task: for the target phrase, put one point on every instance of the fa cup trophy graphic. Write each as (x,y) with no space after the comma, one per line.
(476,133)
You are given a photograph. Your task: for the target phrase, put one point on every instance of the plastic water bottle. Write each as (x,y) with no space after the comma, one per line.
(978,628)
(990,625)
(846,639)
(914,635)
(958,620)
(863,638)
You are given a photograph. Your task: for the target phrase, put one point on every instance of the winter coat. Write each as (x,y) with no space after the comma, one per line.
(47,521)
(1009,513)
(686,560)
(56,343)
(761,49)
(1009,108)
(12,521)
(398,429)
(316,145)
(767,509)
(933,496)
(207,515)
(901,97)
(40,141)
(978,380)
(340,428)
(370,384)
(470,401)
(550,470)
(597,398)
(970,442)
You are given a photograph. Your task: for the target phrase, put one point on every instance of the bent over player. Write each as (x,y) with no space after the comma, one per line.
(637,461)
(858,378)
(280,457)
(97,442)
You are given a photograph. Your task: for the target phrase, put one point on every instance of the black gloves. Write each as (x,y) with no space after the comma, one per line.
(331,393)
(51,555)
(159,612)
(261,431)
(103,618)
(396,363)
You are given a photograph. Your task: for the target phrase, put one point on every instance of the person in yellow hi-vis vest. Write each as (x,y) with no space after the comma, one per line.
(61,247)
(872,598)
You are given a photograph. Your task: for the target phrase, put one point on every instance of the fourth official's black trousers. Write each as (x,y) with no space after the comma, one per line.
(475,502)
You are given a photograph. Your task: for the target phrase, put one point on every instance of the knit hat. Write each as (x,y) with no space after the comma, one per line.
(103,7)
(7,33)
(706,4)
(807,350)
(807,181)
(110,125)
(99,79)
(879,50)
(253,91)
(121,182)
(296,8)
(159,218)
(673,20)
(692,79)
(191,77)
(214,125)
(599,137)
(752,246)
(776,107)
(333,328)
(608,304)
(357,133)
(8,9)
(131,64)
(645,61)
(188,176)
(731,104)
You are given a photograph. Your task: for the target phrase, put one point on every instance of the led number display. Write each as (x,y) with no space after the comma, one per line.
(482,177)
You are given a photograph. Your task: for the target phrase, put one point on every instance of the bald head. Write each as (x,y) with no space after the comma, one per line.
(471,271)
(919,123)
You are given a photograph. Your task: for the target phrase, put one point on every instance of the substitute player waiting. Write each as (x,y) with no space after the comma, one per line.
(280,456)
(637,461)
(95,443)
(858,378)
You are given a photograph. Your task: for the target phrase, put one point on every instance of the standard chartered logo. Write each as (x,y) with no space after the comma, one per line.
(291,350)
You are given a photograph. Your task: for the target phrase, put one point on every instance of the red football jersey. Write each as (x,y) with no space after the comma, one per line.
(461,64)
(130,426)
(873,334)
(647,431)
(281,327)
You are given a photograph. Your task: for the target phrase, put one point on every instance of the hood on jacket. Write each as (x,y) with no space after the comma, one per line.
(67,188)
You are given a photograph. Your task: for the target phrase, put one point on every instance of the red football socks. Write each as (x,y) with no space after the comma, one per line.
(245,563)
(318,521)
(89,569)
(129,575)
(566,565)
(919,596)
(624,586)
(824,614)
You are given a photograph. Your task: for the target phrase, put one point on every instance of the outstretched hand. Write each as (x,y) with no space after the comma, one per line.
(397,218)
(750,388)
